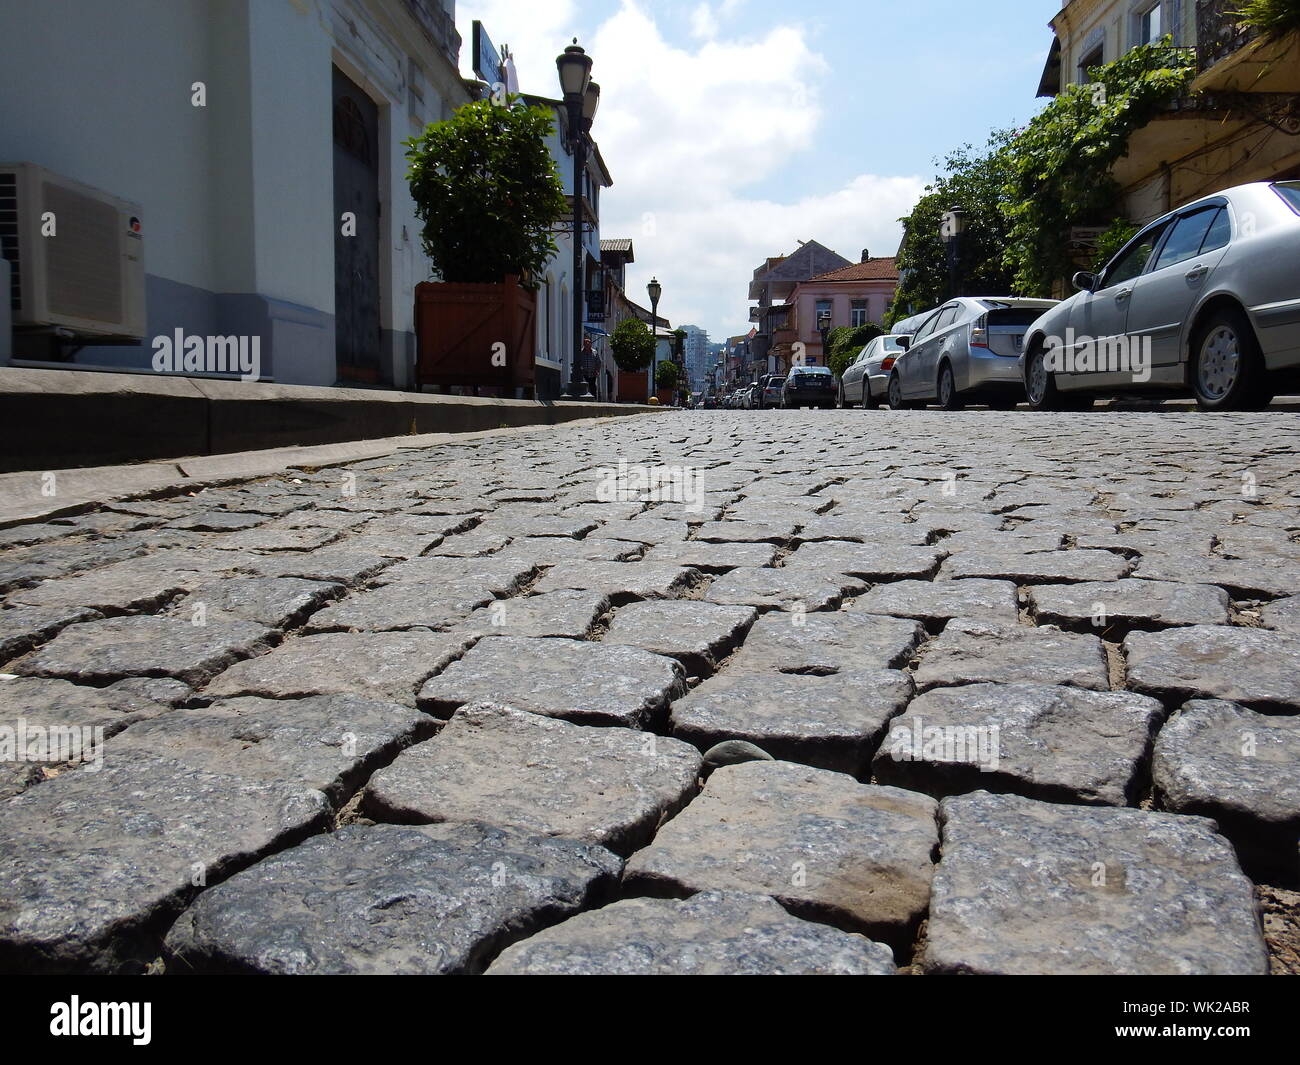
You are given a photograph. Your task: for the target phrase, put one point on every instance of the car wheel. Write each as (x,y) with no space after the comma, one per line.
(868,400)
(1040,388)
(1226,364)
(896,393)
(946,390)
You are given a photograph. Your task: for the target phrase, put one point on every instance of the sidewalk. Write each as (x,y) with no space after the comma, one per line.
(54,419)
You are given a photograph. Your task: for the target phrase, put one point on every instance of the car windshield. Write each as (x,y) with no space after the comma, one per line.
(814,370)
(1289,191)
(774,381)
(892,344)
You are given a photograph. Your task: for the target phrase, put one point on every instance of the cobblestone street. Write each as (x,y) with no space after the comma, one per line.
(856,692)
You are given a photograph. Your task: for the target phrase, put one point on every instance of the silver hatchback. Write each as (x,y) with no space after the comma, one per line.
(966,350)
(1205,299)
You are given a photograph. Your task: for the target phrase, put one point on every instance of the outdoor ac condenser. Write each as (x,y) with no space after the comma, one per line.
(76,255)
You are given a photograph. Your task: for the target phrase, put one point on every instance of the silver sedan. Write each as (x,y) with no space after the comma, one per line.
(1205,299)
(866,379)
(967,350)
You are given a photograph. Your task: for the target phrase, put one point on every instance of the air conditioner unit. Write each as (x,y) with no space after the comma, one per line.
(77,255)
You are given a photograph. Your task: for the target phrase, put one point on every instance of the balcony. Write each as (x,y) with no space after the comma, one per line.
(1231,57)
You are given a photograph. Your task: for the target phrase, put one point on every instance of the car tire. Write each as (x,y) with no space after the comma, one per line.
(896,401)
(945,390)
(869,402)
(1227,370)
(1040,387)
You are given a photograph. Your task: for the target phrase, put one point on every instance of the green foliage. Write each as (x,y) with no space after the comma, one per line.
(1121,231)
(666,375)
(1060,163)
(846,341)
(633,345)
(976,182)
(1273,18)
(487,192)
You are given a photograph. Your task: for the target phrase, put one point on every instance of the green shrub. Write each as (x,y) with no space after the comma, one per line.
(633,345)
(487,192)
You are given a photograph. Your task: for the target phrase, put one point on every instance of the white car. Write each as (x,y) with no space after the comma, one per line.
(866,380)
(1205,299)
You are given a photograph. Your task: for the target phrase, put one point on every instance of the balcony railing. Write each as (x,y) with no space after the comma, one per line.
(1220,31)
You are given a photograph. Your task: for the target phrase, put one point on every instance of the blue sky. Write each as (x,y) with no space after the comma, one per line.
(734,127)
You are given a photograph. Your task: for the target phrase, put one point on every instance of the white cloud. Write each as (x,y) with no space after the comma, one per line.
(690,133)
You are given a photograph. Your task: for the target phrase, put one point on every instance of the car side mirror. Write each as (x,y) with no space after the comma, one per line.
(904,342)
(1086,282)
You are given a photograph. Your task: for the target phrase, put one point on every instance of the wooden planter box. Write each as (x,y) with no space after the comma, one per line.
(457,330)
(666,396)
(632,386)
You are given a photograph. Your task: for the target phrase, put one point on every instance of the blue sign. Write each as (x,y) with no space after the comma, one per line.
(487,60)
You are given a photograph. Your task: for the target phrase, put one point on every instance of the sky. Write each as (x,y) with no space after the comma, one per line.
(734,128)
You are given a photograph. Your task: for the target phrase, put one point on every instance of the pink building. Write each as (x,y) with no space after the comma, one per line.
(853,295)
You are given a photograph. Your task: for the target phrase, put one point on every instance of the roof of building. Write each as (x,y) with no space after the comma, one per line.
(622,244)
(882,269)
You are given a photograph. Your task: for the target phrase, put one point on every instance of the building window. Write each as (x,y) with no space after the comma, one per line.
(859,314)
(1093,58)
(1150,25)
(823,309)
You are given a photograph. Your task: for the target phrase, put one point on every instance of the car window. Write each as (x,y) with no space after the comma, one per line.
(1219,234)
(927,327)
(947,318)
(1289,191)
(1188,235)
(1133,260)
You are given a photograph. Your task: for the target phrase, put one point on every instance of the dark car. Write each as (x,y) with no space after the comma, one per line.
(809,386)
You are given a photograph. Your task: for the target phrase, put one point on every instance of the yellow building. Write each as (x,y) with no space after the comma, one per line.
(1240,124)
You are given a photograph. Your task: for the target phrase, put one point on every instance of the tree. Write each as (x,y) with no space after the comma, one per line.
(487,192)
(846,341)
(1059,165)
(633,345)
(975,182)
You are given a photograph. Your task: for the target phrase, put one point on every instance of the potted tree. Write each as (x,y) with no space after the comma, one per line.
(633,347)
(488,195)
(666,377)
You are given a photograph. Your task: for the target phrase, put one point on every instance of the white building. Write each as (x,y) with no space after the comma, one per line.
(246,130)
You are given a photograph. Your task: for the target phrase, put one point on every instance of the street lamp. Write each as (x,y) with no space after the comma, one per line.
(581,97)
(951,228)
(824,327)
(654,290)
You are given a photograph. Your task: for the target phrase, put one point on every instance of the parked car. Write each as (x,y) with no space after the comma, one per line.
(771,393)
(709,402)
(966,350)
(1205,299)
(866,380)
(809,386)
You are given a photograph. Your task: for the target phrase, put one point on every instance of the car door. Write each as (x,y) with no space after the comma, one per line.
(909,366)
(1101,317)
(1164,297)
(854,376)
(931,349)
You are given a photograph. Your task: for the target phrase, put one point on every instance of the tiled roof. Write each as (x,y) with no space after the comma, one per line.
(883,269)
(616,244)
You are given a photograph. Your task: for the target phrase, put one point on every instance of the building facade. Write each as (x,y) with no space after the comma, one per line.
(1241,126)
(263,144)
(774,281)
(851,296)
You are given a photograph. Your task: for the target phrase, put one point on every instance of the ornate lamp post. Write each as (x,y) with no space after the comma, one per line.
(654,290)
(581,97)
(951,229)
(824,328)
